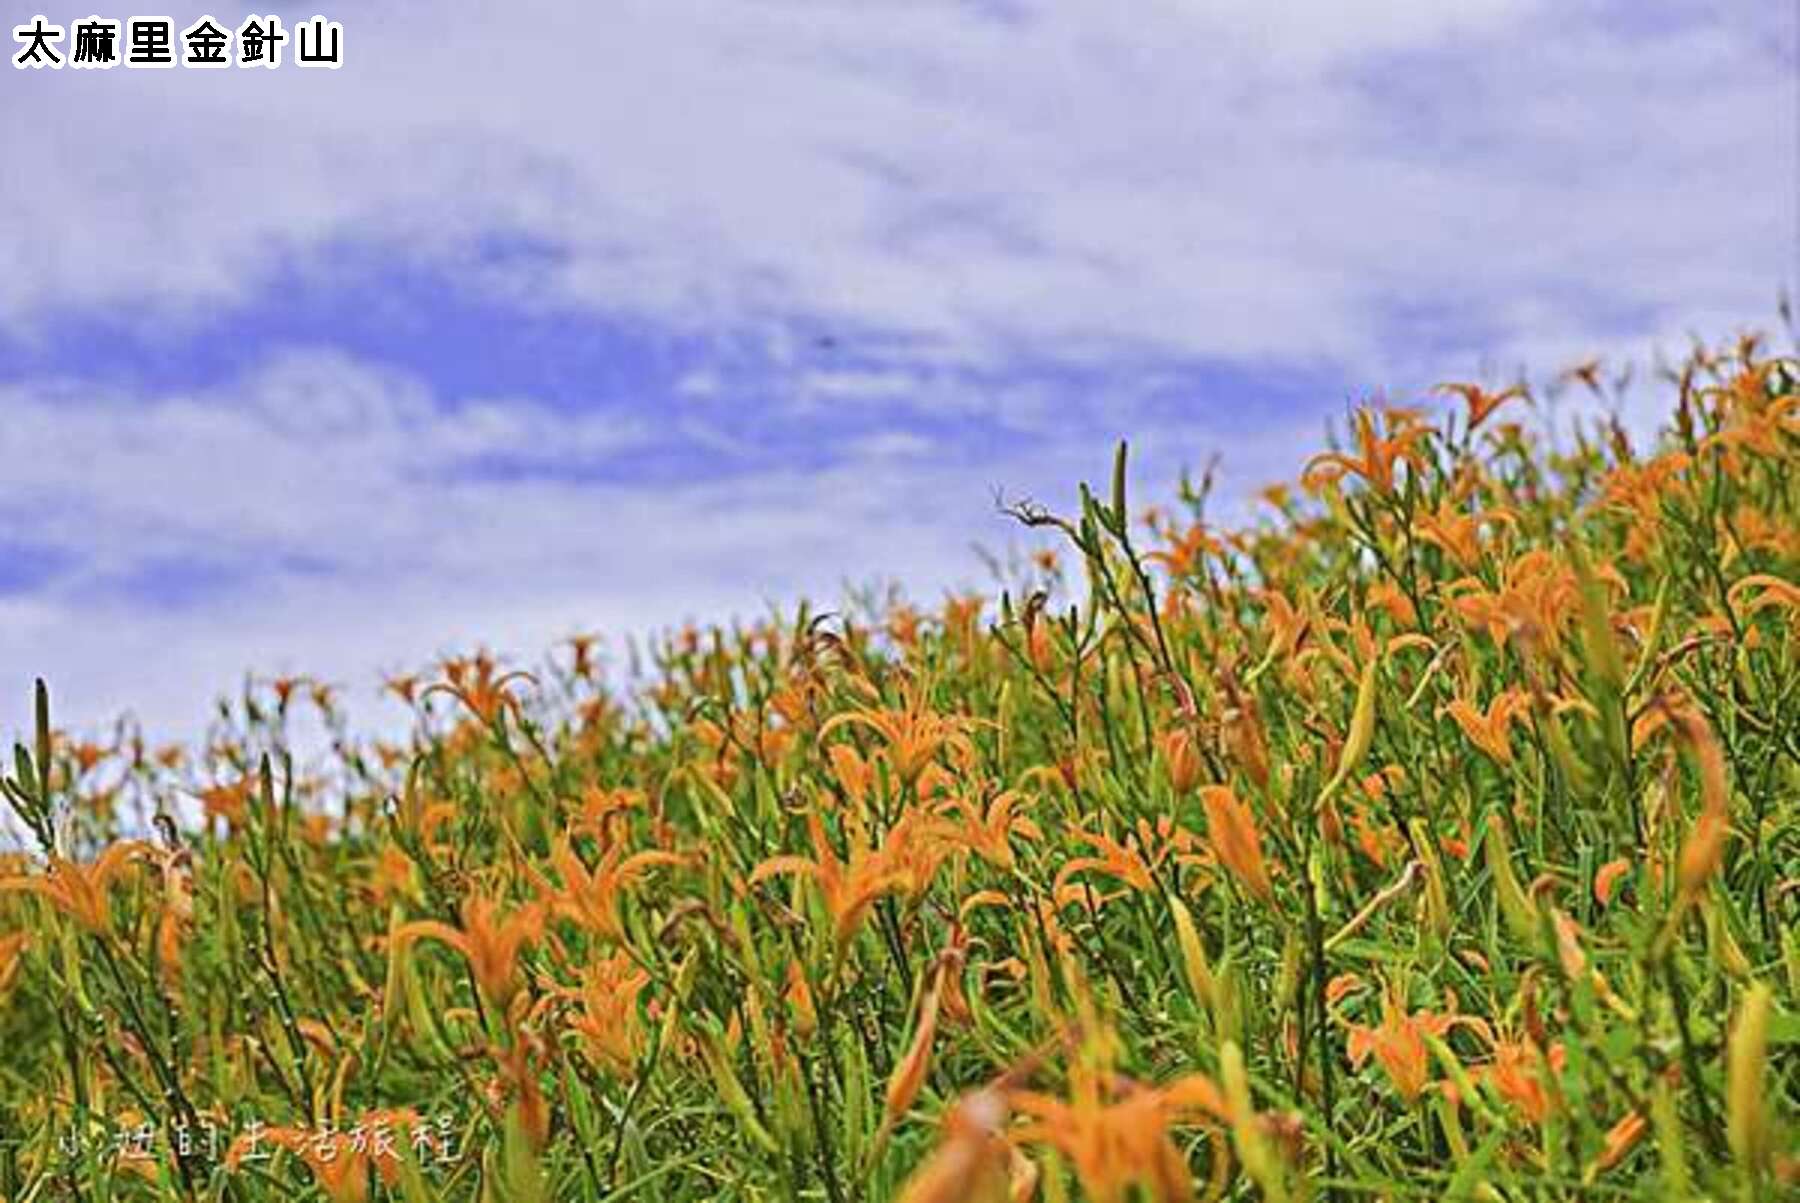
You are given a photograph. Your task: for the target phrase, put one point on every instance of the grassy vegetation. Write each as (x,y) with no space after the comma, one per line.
(1437,836)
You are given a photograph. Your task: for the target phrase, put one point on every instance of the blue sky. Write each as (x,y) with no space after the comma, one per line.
(543,317)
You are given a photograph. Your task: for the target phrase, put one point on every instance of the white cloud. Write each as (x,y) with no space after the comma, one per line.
(351,542)
(319,515)
(1210,178)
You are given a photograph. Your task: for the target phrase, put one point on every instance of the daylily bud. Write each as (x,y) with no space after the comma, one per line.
(1193,954)
(1521,913)
(1746,1110)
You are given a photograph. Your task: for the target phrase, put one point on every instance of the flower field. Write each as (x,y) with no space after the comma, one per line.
(1434,835)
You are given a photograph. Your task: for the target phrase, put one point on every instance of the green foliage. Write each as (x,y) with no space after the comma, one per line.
(1436,836)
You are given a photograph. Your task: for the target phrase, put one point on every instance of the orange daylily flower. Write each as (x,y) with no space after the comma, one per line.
(854,774)
(1703,852)
(473,681)
(1769,591)
(1536,601)
(903,625)
(340,1159)
(1606,878)
(1342,986)
(1587,372)
(913,734)
(850,886)
(404,686)
(1481,403)
(1288,624)
(988,832)
(1187,550)
(1399,1046)
(1524,1076)
(1458,533)
(799,998)
(1137,865)
(420,816)
(1376,838)
(795,702)
(518,1071)
(910,1070)
(962,618)
(1753,418)
(581,648)
(230,802)
(1179,748)
(1621,1138)
(390,876)
(914,847)
(1231,826)
(1385,595)
(285,688)
(972,1161)
(612,1032)
(591,898)
(1490,731)
(601,807)
(12,950)
(1377,454)
(1039,645)
(79,891)
(86,754)
(1638,491)
(177,910)
(1398,1042)
(1241,730)
(1751,529)
(1115,1132)
(490,942)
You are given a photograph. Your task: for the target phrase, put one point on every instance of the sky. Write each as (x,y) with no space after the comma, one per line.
(536,318)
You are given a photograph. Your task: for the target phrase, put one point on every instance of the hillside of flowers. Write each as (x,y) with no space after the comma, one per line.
(1433,834)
